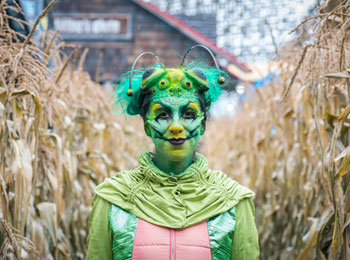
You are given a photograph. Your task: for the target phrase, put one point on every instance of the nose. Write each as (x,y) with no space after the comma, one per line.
(176,129)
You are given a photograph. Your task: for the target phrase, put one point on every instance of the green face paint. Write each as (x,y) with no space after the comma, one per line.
(175,124)
(174,120)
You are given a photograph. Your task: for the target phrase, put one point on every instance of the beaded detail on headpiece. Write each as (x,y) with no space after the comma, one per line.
(164,82)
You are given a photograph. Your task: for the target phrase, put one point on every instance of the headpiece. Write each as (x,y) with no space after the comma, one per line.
(161,81)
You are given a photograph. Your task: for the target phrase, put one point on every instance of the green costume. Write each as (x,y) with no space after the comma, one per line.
(172,206)
(177,202)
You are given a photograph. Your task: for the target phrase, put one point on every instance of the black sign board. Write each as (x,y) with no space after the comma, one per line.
(93,26)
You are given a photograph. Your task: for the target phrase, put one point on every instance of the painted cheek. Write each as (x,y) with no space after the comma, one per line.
(161,126)
(190,125)
(150,116)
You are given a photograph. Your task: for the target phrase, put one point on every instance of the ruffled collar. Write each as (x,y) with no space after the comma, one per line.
(175,201)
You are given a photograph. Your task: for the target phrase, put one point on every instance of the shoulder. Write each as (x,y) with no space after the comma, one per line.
(233,189)
(120,180)
(99,205)
(116,189)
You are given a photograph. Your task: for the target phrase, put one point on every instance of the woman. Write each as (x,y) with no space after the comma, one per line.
(172,206)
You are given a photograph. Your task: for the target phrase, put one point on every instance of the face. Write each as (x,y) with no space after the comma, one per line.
(175,123)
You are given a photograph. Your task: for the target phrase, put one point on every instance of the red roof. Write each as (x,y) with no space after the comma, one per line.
(190,32)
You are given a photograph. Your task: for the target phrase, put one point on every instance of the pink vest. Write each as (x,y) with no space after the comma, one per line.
(153,242)
(137,239)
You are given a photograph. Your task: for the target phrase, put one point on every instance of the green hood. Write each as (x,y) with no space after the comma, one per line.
(173,201)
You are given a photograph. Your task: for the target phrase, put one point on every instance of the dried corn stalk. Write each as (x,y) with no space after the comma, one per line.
(291,145)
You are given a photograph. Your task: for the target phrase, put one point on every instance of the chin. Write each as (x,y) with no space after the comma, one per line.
(179,153)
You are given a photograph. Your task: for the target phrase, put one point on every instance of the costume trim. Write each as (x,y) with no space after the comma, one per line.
(123,225)
(221,229)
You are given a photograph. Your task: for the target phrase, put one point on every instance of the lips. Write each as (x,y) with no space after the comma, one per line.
(179,141)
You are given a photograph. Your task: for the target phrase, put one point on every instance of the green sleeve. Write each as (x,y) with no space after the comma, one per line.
(99,241)
(245,244)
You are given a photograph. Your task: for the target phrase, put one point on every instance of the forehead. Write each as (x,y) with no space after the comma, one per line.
(175,101)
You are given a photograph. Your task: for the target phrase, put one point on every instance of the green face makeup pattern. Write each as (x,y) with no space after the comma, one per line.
(174,111)
(174,120)
(175,124)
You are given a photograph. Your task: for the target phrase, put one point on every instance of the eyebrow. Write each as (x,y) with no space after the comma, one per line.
(188,104)
(163,106)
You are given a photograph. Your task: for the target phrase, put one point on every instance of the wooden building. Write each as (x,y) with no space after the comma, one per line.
(119,30)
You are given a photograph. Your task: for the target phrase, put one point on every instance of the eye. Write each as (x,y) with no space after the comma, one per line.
(163,116)
(163,83)
(188,84)
(189,115)
(200,74)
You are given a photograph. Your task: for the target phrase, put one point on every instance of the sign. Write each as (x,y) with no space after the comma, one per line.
(94,27)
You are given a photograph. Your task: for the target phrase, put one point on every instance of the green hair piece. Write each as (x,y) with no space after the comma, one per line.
(124,103)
